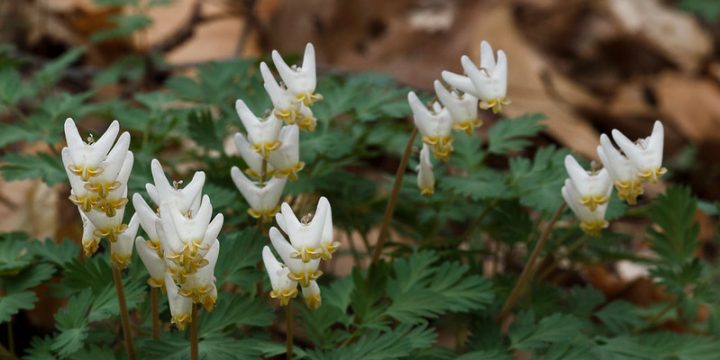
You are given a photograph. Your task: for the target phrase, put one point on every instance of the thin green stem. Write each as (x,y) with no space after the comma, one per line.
(124,316)
(654,320)
(390,209)
(527,272)
(289,334)
(194,333)
(155,313)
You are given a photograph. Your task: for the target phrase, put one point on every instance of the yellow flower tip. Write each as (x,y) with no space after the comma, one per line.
(120,262)
(284,295)
(593,228)
(85,172)
(102,188)
(91,247)
(592,202)
(307,123)
(110,206)
(468,126)
(110,233)
(265,149)
(85,203)
(495,104)
(305,278)
(307,254)
(313,301)
(291,172)
(629,190)
(265,215)
(286,115)
(652,176)
(208,302)
(157,283)
(441,146)
(308,99)
(181,321)
(427,191)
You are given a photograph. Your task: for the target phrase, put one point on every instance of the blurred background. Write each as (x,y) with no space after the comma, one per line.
(589,65)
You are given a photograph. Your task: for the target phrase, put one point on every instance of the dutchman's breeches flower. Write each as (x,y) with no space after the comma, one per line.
(121,250)
(434,125)
(591,221)
(425,178)
(593,187)
(254,160)
(300,271)
(283,288)
(311,295)
(262,133)
(488,82)
(305,235)
(180,306)
(621,171)
(200,286)
(645,154)
(263,200)
(300,81)
(463,108)
(286,159)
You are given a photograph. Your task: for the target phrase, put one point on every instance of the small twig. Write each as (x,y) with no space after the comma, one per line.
(289,333)
(527,272)
(194,333)
(155,313)
(390,209)
(124,316)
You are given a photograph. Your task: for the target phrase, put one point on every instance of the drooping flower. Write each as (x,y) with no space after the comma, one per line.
(262,133)
(85,157)
(311,295)
(463,108)
(121,250)
(186,199)
(283,287)
(180,306)
(286,159)
(591,221)
(621,171)
(425,178)
(153,262)
(488,82)
(305,235)
(285,104)
(434,125)
(593,187)
(327,240)
(253,160)
(300,271)
(90,242)
(263,200)
(645,154)
(200,286)
(300,81)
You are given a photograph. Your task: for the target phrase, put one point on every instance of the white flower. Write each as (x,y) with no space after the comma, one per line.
(121,250)
(148,218)
(300,271)
(327,240)
(312,297)
(283,287)
(300,81)
(594,187)
(463,108)
(263,200)
(646,154)
(262,134)
(621,171)
(425,178)
(200,286)
(306,235)
(186,239)
(85,158)
(591,221)
(154,264)
(286,159)
(186,199)
(253,160)
(284,103)
(488,83)
(180,306)
(109,227)
(90,241)
(435,126)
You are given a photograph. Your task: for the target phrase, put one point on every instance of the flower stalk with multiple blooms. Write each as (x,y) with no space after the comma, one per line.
(98,172)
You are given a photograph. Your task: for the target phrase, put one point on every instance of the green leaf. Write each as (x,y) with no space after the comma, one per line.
(72,324)
(380,345)
(620,317)
(59,253)
(524,335)
(93,273)
(485,355)
(512,134)
(483,184)
(707,9)
(674,212)
(13,133)
(538,182)
(175,347)
(125,26)
(40,349)
(202,129)
(467,152)
(32,166)
(11,304)
(29,277)
(424,287)
(234,310)
(52,71)
(14,252)
(241,252)
(221,196)
(12,88)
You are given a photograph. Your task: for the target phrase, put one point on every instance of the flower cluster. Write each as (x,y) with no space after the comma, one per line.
(182,247)
(456,107)
(98,171)
(311,240)
(271,148)
(588,193)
